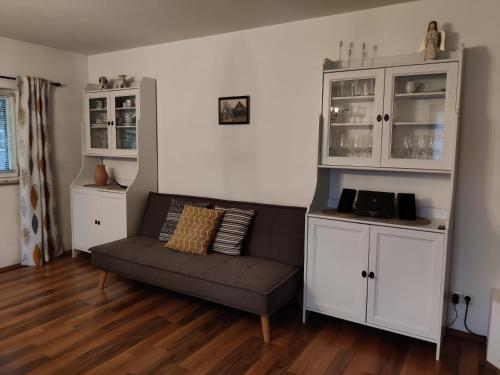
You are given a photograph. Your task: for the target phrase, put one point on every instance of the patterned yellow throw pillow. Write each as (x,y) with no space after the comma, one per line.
(196,230)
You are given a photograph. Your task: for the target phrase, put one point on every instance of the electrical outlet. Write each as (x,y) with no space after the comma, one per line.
(460,296)
(470,299)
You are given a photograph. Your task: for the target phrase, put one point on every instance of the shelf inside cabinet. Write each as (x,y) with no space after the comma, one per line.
(126,126)
(417,123)
(97,109)
(124,108)
(358,97)
(351,124)
(98,126)
(422,95)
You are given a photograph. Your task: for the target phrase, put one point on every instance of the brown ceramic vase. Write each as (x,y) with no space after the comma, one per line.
(101,176)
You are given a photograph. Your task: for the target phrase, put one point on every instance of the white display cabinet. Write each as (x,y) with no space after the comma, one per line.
(119,131)
(391,117)
(111,122)
(387,125)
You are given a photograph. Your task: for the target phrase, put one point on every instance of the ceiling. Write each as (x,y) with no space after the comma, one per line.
(94,26)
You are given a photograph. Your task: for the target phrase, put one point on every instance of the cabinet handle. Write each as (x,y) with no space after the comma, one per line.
(112,122)
(95,221)
(371,275)
(386,117)
(379,118)
(109,122)
(363,274)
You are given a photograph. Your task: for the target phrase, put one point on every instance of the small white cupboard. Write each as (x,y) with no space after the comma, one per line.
(386,277)
(119,131)
(100,217)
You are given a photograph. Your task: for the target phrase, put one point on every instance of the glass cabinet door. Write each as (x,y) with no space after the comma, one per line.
(97,123)
(352,115)
(419,123)
(125,108)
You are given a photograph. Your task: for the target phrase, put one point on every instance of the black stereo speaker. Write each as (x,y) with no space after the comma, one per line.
(406,206)
(346,202)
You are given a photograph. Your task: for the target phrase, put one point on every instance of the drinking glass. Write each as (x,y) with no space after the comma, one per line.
(356,145)
(431,148)
(421,149)
(365,87)
(407,147)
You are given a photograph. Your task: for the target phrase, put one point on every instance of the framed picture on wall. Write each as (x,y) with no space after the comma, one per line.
(234,110)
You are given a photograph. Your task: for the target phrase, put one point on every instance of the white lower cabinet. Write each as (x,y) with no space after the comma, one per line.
(337,254)
(385,277)
(405,293)
(97,217)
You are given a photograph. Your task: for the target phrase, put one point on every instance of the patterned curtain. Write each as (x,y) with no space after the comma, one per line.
(39,238)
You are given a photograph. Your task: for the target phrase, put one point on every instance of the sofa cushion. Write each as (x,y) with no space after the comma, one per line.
(232,230)
(196,230)
(248,283)
(174,212)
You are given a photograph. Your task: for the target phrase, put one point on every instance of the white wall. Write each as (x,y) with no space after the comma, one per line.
(20,58)
(273,159)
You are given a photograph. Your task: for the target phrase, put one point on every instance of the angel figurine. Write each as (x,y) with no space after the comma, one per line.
(432,42)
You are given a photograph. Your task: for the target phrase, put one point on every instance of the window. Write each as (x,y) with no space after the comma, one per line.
(8,160)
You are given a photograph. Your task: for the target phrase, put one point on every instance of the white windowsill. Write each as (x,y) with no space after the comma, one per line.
(9,180)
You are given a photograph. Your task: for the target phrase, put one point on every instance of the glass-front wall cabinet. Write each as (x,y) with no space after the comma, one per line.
(98,120)
(125,114)
(352,128)
(422,123)
(401,117)
(112,123)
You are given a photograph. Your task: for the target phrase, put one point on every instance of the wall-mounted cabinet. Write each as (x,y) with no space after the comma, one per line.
(394,117)
(111,122)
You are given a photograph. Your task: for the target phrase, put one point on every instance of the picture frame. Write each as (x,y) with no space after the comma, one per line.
(234,110)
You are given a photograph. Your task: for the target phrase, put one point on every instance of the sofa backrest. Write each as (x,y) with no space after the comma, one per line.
(276,232)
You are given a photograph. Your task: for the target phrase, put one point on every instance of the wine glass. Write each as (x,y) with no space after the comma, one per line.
(361,112)
(421,149)
(370,144)
(343,146)
(431,148)
(357,145)
(407,146)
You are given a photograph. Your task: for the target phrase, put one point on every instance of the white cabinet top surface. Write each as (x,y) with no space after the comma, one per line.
(426,225)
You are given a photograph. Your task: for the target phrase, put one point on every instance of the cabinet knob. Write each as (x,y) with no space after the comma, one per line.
(95,221)
(386,117)
(109,122)
(379,118)
(363,274)
(112,122)
(371,275)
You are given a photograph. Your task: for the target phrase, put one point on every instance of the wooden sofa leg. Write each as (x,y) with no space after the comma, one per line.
(266,331)
(102,279)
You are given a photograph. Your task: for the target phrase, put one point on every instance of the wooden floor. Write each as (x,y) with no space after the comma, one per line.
(53,320)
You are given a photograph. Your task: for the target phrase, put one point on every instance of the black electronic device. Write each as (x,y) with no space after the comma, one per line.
(346,201)
(375,204)
(406,206)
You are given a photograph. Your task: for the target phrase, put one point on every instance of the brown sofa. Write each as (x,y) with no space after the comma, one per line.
(267,275)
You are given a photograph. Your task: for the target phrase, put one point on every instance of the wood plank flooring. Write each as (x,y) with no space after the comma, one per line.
(54,320)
